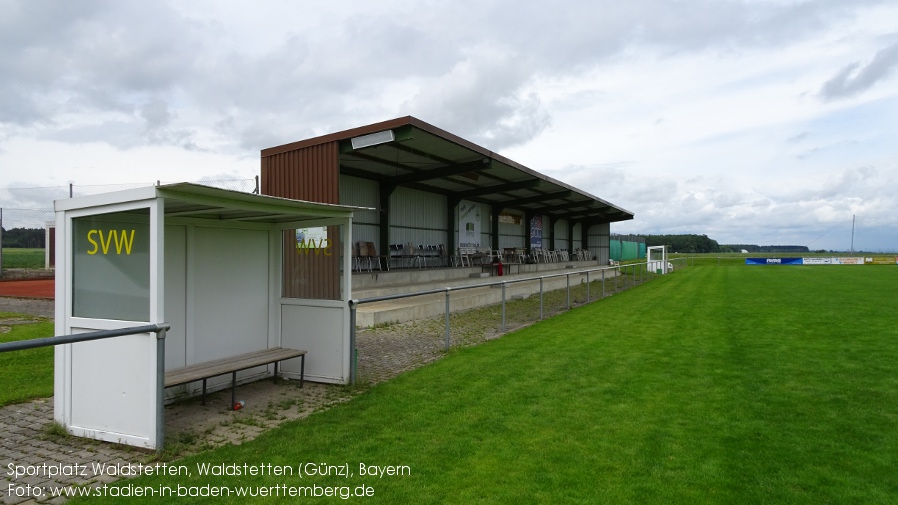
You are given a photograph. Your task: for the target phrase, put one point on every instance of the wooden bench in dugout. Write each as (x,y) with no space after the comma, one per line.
(232,365)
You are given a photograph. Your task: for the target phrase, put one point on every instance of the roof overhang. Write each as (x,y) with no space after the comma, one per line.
(411,153)
(196,201)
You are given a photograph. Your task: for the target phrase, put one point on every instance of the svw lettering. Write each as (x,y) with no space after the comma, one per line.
(122,241)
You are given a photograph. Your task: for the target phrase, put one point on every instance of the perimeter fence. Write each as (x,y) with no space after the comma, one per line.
(384,350)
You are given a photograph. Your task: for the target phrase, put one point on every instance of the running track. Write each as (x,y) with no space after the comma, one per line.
(34,288)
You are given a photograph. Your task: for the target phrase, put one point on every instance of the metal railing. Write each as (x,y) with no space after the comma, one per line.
(633,274)
(160,331)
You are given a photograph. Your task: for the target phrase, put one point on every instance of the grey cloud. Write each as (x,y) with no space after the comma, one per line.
(470,68)
(848,182)
(480,97)
(798,138)
(857,77)
(463,67)
(156,114)
(119,133)
(87,57)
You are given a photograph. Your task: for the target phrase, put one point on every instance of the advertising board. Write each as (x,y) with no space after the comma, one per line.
(773,261)
(806,261)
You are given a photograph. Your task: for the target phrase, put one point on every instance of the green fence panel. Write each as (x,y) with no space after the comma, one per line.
(629,250)
(614,250)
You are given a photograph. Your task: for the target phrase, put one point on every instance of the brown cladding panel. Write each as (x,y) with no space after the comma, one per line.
(52,246)
(310,173)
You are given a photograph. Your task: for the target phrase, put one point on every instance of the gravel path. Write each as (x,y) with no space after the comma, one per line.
(30,306)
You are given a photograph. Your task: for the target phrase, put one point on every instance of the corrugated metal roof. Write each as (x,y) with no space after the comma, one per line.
(424,157)
(205,202)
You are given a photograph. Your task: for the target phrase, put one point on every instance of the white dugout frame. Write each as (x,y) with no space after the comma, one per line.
(215,271)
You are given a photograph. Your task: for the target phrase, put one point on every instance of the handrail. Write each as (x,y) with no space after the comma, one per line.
(359,301)
(159,329)
(82,337)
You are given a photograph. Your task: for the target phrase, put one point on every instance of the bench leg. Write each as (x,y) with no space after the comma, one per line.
(204,391)
(233,389)
(302,370)
(275,372)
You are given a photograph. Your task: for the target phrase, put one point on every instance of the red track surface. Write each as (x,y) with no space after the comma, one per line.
(35,288)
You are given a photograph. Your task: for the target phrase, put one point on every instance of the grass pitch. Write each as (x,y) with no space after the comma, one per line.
(28,374)
(23,258)
(711,385)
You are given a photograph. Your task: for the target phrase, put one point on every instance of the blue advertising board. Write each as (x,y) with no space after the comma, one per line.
(773,261)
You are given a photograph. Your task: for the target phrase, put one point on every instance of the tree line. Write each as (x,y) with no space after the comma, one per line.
(692,243)
(752,248)
(684,243)
(32,238)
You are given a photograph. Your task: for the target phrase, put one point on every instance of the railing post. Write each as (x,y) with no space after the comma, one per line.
(160,390)
(503,306)
(603,283)
(540,298)
(447,318)
(353,354)
(568,278)
(587,286)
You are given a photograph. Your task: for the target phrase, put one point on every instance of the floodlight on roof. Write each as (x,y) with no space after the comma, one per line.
(373,139)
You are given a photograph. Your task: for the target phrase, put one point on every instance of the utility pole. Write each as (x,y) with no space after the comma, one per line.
(853,216)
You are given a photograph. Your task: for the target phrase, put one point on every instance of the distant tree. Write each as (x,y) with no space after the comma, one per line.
(24,238)
(684,243)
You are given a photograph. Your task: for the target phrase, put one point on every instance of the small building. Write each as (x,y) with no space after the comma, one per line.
(211,263)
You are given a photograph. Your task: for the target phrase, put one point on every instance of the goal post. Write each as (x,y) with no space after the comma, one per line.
(656,259)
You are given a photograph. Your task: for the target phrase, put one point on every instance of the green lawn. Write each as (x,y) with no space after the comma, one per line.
(711,385)
(25,374)
(14,257)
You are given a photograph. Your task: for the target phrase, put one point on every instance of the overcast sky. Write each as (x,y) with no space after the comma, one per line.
(764,122)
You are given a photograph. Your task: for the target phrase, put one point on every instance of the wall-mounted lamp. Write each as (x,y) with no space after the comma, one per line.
(373,139)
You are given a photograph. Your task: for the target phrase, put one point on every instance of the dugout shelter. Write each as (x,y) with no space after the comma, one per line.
(211,263)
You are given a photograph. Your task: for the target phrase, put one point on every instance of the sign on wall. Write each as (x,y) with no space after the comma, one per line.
(468,224)
(313,239)
(536,232)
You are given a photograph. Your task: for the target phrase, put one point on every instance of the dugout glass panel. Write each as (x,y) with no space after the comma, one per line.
(111,266)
